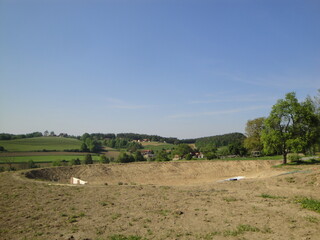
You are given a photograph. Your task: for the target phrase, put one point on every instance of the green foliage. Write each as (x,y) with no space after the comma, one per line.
(103,159)
(40,143)
(75,162)
(153,138)
(125,158)
(253,131)
(138,157)
(84,147)
(182,150)
(220,140)
(242,228)
(31,164)
(57,163)
(294,158)
(209,151)
(122,143)
(88,159)
(7,136)
(188,156)
(2,149)
(223,151)
(162,156)
(310,204)
(291,126)
(237,148)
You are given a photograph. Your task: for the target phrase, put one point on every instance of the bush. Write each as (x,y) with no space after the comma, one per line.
(294,158)
(56,163)
(88,159)
(125,158)
(104,159)
(75,162)
(31,164)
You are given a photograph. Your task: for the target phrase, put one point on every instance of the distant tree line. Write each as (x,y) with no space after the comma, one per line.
(122,143)
(153,138)
(220,140)
(7,136)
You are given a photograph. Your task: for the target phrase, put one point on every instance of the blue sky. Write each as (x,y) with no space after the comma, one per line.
(175,68)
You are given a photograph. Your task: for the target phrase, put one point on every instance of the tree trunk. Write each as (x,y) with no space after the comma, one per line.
(284,158)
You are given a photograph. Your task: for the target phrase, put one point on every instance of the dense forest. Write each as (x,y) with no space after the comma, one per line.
(220,140)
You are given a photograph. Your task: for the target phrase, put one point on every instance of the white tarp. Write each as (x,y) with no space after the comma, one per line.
(233,179)
(74,180)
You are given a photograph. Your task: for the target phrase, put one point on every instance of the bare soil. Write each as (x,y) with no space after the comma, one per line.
(172,200)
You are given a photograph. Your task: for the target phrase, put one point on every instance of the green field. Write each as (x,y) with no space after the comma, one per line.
(155,146)
(40,144)
(43,159)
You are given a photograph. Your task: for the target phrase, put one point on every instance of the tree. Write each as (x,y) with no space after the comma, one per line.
(88,159)
(237,148)
(75,162)
(104,159)
(46,133)
(209,151)
(138,157)
(183,149)
(84,147)
(162,156)
(253,131)
(125,158)
(290,126)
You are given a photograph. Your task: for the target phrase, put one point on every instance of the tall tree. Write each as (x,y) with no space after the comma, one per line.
(253,131)
(290,126)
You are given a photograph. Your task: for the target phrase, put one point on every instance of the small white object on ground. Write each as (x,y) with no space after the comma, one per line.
(74,180)
(233,179)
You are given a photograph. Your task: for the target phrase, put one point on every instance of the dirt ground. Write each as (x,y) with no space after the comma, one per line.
(172,200)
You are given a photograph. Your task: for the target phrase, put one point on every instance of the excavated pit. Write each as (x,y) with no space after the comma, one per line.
(157,173)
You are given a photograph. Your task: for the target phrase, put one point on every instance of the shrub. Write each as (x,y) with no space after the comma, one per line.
(75,162)
(31,164)
(104,159)
(294,158)
(88,159)
(56,163)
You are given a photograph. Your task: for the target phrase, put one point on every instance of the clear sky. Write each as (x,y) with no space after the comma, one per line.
(175,68)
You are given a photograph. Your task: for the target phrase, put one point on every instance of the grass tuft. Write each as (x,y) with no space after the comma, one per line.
(310,204)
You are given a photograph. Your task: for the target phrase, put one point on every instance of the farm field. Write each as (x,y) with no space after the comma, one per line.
(157,146)
(40,144)
(166,200)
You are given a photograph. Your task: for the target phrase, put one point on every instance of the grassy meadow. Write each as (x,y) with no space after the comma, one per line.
(40,144)
(157,146)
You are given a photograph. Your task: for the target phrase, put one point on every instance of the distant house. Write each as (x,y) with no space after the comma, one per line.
(199,155)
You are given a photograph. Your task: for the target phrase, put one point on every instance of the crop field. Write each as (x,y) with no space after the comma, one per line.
(156,146)
(168,200)
(40,144)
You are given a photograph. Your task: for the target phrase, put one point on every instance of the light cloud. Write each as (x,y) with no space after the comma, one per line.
(221,112)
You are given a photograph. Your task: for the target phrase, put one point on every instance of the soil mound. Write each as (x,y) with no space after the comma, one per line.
(157,173)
